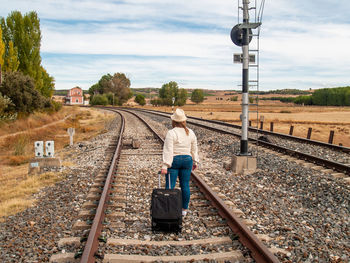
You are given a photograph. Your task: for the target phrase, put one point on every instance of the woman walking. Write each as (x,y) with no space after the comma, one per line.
(180,156)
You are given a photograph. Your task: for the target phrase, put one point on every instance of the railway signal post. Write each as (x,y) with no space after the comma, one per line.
(241,35)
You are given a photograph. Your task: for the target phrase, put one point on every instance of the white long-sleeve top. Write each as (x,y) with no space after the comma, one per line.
(177,142)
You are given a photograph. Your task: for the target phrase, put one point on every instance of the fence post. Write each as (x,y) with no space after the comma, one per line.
(291,130)
(250,123)
(331,136)
(261,125)
(271,126)
(309,133)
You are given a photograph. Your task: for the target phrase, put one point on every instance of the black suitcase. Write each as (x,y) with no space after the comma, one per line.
(166,209)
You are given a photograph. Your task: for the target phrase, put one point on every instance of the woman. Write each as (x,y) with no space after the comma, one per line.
(180,156)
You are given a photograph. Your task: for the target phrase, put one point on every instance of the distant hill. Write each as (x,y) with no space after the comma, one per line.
(60,92)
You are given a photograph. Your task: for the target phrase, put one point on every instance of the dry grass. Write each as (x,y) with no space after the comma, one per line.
(33,121)
(322,120)
(17,149)
(16,198)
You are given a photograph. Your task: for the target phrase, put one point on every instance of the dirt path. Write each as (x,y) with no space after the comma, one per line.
(35,129)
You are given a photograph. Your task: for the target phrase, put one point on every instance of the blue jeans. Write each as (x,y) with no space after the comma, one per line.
(181,167)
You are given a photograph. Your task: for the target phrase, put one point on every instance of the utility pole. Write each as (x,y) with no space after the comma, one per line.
(245,79)
(241,35)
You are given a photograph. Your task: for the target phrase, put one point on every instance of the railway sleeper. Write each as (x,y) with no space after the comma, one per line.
(131,250)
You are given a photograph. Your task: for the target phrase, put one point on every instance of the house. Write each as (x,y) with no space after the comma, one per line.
(75,96)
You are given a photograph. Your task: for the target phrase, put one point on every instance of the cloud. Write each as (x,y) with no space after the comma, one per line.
(303,43)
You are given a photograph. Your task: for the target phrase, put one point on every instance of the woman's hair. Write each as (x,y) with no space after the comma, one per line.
(181,124)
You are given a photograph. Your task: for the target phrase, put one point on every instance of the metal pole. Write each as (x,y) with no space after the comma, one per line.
(245,81)
(331,136)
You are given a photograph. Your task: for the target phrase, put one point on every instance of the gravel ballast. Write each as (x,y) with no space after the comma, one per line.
(305,212)
(32,235)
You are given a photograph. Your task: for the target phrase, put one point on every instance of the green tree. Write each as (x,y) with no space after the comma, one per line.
(120,86)
(168,91)
(99,99)
(25,34)
(104,84)
(93,90)
(12,62)
(21,90)
(197,96)
(306,100)
(181,98)
(48,87)
(140,99)
(156,102)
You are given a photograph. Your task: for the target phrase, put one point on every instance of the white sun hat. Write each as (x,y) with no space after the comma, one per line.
(179,115)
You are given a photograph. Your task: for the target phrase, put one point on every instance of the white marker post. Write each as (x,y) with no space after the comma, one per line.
(71,132)
(172,106)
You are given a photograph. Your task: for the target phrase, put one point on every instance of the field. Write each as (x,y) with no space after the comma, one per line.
(17,139)
(17,149)
(322,120)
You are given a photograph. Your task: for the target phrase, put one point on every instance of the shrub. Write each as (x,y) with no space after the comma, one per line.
(197,96)
(140,99)
(99,100)
(306,100)
(56,105)
(20,145)
(21,90)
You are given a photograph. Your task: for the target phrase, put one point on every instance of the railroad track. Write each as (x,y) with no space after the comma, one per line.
(120,230)
(324,155)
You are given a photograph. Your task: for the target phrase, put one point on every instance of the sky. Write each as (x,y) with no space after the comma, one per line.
(303,44)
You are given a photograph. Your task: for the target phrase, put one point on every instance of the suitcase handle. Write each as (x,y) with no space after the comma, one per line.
(159,173)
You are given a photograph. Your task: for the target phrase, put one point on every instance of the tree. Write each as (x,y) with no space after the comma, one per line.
(12,62)
(181,98)
(197,96)
(2,50)
(21,90)
(25,34)
(140,99)
(104,84)
(99,99)
(120,86)
(48,87)
(168,91)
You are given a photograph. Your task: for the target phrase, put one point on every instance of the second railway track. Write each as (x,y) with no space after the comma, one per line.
(323,154)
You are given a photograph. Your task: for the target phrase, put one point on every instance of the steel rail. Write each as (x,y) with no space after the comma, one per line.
(252,129)
(91,245)
(259,251)
(343,168)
